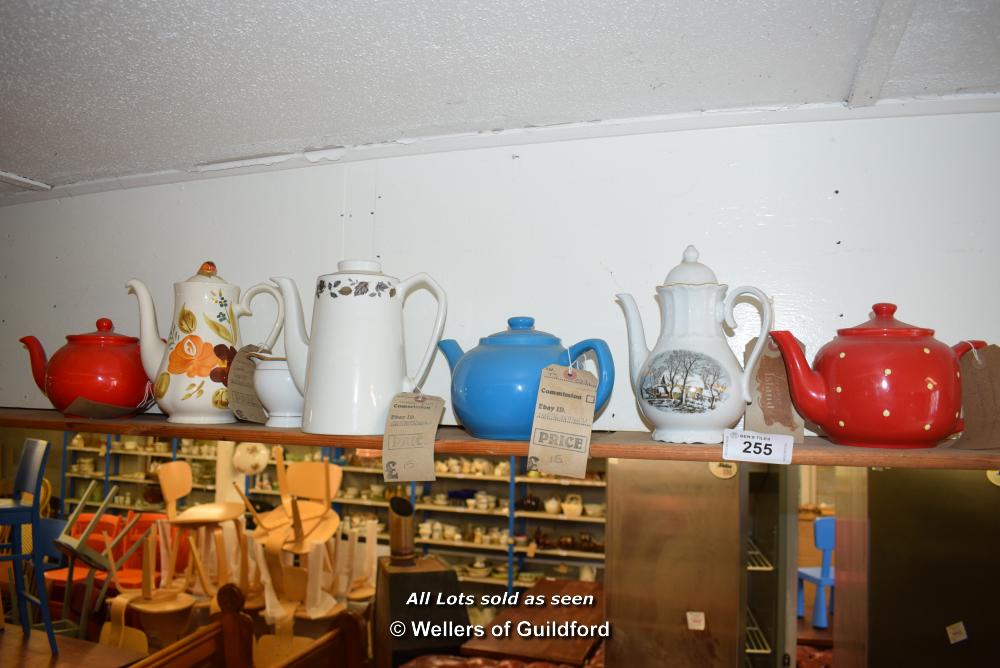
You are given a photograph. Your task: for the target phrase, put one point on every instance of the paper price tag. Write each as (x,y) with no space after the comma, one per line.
(408,443)
(695,620)
(564,413)
(752,446)
(242,397)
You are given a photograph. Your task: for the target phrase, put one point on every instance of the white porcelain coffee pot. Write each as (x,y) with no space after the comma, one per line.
(352,362)
(690,386)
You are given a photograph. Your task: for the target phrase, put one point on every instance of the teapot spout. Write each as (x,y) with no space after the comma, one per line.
(39,360)
(452,352)
(296,337)
(808,389)
(637,349)
(151,346)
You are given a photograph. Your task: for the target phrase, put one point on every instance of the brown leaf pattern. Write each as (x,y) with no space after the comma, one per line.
(354,288)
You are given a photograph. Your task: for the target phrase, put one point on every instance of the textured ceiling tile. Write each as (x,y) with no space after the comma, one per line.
(950,46)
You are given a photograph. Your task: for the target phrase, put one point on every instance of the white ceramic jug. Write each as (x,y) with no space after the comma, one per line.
(690,386)
(352,363)
(190,371)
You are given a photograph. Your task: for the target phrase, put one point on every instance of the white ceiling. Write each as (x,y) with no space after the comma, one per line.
(96,89)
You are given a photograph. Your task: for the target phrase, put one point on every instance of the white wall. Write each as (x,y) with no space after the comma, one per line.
(827,217)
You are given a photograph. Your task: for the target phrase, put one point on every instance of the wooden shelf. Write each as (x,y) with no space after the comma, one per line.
(561,482)
(453,440)
(463,544)
(558,517)
(433,507)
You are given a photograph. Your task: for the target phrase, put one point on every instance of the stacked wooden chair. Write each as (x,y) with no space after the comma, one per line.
(299,528)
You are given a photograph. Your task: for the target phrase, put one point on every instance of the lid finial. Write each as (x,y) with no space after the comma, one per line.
(207,268)
(690,271)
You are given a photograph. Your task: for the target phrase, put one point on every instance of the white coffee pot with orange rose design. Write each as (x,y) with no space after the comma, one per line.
(190,370)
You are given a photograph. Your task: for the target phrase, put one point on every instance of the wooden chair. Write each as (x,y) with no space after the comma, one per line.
(176,483)
(305,518)
(80,548)
(307,490)
(228,641)
(97,539)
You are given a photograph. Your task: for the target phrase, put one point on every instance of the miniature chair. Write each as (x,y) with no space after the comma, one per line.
(824,537)
(107,525)
(176,483)
(80,548)
(16,513)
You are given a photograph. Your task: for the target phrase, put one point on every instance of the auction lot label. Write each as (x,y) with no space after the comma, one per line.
(564,413)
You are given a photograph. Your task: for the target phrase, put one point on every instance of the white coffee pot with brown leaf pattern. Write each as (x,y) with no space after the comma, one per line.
(352,362)
(190,370)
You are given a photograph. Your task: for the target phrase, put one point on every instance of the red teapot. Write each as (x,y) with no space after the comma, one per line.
(881,384)
(101,369)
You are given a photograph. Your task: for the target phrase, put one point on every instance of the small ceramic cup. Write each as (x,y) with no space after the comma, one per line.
(277,393)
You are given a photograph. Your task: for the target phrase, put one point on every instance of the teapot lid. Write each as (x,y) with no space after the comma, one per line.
(884,324)
(690,271)
(521,332)
(105,334)
(207,273)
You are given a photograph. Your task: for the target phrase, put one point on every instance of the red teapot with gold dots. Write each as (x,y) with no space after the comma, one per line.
(881,384)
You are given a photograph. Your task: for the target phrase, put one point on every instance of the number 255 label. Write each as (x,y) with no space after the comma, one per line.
(752,446)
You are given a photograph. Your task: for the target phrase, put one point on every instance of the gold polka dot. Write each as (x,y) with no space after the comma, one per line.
(930,386)
(839,389)
(885,413)
(927,427)
(840,422)
(888,372)
(958,374)
(843,355)
(927,351)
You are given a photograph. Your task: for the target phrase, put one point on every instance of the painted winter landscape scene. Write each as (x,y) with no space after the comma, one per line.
(685,381)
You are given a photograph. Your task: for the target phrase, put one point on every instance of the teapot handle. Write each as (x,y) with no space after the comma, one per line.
(766,323)
(605,367)
(243,308)
(411,284)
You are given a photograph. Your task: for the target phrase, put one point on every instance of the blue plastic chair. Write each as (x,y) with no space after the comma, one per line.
(16,514)
(825,539)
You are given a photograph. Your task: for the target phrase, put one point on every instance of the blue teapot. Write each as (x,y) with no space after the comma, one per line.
(494,385)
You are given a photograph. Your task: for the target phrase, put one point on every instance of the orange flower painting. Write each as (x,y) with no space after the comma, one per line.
(192,356)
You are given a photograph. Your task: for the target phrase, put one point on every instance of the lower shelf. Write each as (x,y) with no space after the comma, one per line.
(756,640)
(756,561)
